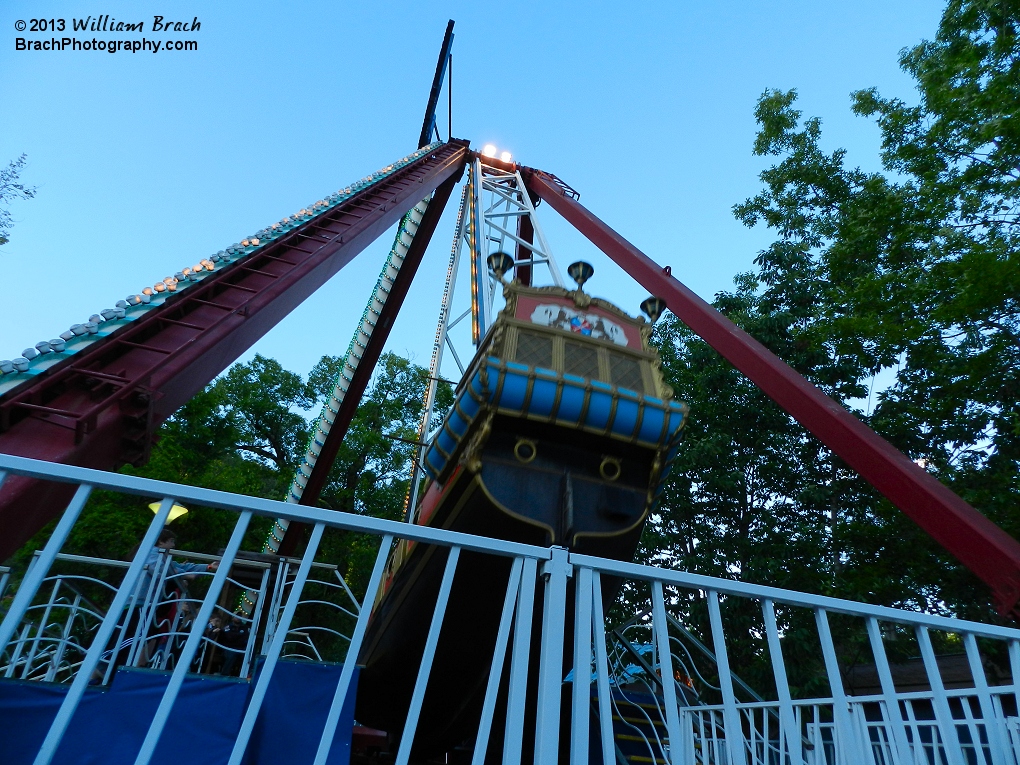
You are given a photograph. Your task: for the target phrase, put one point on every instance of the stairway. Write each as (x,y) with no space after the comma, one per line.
(639,727)
(111,722)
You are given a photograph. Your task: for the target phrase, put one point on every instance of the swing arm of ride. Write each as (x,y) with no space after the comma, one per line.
(988,551)
(102,407)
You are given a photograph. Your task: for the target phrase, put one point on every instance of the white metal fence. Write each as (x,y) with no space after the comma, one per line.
(696,709)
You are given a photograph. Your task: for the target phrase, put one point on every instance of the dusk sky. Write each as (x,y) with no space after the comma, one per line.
(147,162)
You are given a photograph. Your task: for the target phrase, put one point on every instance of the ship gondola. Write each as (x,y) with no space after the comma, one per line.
(562,432)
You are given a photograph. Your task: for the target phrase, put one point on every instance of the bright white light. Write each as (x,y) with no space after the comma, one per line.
(489,150)
(506,156)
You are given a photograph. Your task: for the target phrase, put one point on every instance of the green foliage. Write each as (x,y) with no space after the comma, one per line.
(11,188)
(371,472)
(909,275)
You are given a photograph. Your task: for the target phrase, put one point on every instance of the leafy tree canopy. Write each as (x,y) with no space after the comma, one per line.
(12,188)
(911,274)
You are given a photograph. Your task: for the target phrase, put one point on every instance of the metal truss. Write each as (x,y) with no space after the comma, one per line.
(500,201)
(495,195)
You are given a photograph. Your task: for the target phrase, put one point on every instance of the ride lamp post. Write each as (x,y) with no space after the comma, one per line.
(653,306)
(580,272)
(175,512)
(500,263)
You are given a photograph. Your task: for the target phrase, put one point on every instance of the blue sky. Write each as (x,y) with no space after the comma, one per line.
(146,163)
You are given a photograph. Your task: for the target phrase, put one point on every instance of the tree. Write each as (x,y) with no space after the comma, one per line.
(912,273)
(10,189)
(372,470)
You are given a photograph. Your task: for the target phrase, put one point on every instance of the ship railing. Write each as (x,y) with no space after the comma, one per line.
(749,628)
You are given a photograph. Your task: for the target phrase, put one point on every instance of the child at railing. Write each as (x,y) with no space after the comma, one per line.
(131,632)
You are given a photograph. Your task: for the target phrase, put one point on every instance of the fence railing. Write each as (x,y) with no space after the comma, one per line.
(553,616)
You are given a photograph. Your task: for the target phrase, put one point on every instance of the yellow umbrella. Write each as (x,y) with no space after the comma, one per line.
(175,512)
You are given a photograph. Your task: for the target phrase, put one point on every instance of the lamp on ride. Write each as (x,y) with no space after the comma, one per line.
(175,512)
(500,263)
(653,306)
(580,272)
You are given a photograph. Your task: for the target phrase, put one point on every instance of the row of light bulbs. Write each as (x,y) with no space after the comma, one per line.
(192,273)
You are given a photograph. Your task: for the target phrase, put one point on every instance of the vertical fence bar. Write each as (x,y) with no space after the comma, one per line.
(256,616)
(34,577)
(81,680)
(581,692)
(42,628)
(844,740)
(993,730)
(425,668)
(550,670)
(943,714)
(150,602)
(276,646)
(666,671)
(734,732)
(519,661)
(602,672)
(899,735)
(65,636)
(166,704)
(793,742)
(513,588)
(342,688)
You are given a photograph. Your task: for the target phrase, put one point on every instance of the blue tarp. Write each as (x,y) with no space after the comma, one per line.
(110,724)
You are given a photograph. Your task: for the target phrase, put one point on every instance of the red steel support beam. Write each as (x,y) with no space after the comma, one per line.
(526,231)
(102,406)
(363,374)
(984,548)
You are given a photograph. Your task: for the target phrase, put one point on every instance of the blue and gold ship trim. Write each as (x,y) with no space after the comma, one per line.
(566,400)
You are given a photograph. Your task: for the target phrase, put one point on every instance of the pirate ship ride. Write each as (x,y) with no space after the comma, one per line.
(561,433)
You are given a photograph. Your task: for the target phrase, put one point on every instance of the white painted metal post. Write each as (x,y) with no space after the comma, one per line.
(602,672)
(550,671)
(425,668)
(789,722)
(513,738)
(275,647)
(901,748)
(513,589)
(74,694)
(198,626)
(943,714)
(34,578)
(845,740)
(996,738)
(734,730)
(666,673)
(343,686)
(581,695)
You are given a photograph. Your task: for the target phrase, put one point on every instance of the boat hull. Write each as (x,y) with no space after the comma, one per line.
(556,497)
